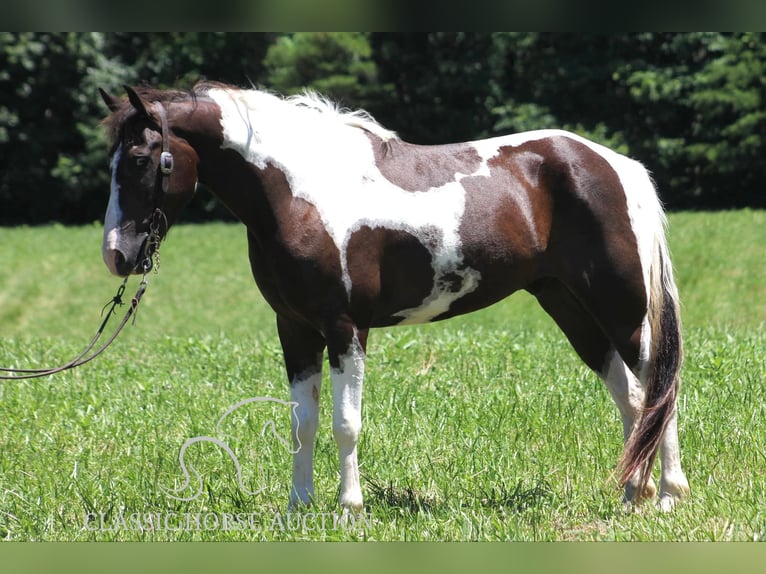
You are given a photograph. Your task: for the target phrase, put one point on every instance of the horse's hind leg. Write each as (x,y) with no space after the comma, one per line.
(643,364)
(597,350)
(673,485)
(303,351)
(628,393)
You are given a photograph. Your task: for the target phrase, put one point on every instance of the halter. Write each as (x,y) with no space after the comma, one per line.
(152,246)
(166,158)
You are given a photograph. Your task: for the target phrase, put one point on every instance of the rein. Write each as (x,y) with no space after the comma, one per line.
(88,354)
(151,249)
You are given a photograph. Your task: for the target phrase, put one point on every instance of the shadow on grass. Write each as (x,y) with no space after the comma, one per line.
(400,497)
(518,498)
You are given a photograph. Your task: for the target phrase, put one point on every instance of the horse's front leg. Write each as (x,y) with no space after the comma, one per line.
(346,346)
(303,349)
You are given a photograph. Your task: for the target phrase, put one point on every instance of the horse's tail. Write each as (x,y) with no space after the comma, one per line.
(662,381)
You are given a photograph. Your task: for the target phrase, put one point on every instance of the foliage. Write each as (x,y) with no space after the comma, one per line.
(52,163)
(688,105)
(442,83)
(338,65)
(183,58)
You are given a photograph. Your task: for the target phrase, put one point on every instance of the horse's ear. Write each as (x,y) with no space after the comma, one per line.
(111,102)
(136,101)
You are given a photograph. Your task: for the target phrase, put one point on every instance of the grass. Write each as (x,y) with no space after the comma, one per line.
(485,427)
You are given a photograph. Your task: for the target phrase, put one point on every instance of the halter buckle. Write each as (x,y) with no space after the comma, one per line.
(166,163)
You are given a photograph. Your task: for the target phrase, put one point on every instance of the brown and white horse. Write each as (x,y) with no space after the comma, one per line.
(351,228)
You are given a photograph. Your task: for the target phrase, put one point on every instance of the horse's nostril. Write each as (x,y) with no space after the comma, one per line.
(121,265)
(115,261)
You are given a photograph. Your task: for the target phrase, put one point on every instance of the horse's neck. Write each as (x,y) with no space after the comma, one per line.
(248,192)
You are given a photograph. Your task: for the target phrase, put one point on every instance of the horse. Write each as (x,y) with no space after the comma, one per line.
(351,228)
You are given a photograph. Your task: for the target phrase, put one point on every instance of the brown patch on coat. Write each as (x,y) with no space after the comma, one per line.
(420,168)
(585,244)
(390,270)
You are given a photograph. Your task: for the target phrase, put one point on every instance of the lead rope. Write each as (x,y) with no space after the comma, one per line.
(85,357)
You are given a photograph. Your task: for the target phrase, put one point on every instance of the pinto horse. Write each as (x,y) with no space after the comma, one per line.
(351,228)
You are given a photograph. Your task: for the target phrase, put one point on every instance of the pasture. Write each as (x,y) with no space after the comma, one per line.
(484,427)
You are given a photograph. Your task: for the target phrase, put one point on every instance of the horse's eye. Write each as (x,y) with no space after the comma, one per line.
(142,160)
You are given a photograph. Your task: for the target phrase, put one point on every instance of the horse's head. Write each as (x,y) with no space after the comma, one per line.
(154,174)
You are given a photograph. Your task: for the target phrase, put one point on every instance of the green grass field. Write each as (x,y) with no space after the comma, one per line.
(485,427)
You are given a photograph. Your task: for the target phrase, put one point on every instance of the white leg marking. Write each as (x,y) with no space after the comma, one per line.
(628,394)
(305,392)
(673,484)
(347,421)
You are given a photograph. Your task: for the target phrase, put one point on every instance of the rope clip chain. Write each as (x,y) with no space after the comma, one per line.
(153,241)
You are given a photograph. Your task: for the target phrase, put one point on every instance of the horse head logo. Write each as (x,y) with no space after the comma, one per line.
(268,426)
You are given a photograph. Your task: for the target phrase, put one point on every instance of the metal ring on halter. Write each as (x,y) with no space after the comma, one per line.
(166,163)
(166,158)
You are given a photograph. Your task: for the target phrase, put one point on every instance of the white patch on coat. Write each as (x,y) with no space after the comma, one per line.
(336,173)
(113,218)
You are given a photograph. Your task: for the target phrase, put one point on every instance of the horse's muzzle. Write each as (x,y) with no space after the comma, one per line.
(119,265)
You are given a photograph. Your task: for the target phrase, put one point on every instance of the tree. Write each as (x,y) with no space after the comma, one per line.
(726,140)
(690,106)
(337,65)
(180,59)
(52,154)
(442,84)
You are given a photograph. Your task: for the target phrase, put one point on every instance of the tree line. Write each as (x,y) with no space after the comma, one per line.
(690,106)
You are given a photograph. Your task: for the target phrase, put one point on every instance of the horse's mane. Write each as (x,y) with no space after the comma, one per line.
(114,121)
(307,100)
(356,118)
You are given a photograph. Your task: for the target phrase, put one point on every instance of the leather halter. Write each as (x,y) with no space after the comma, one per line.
(152,245)
(166,158)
